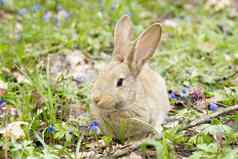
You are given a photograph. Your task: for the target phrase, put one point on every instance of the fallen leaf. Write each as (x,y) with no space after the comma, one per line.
(207,47)
(13,130)
(86,155)
(134,155)
(217,5)
(3,88)
(20,77)
(170,23)
(72,64)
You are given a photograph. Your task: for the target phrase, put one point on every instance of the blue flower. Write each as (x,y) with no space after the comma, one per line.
(213,107)
(47,16)
(184,92)
(36,8)
(23,11)
(172,95)
(2,103)
(51,129)
(94,127)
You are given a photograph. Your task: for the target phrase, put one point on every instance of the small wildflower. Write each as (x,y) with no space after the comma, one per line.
(47,16)
(61,15)
(13,111)
(23,11)
(197,95)
(51,129)
(2,103)
(213,107)
(79,79)
(184,92)
(36,8)
(172,95)
(113,7)
(94,127)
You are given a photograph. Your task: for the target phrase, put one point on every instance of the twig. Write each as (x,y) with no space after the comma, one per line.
(126,151)
(209,117)
(227,77)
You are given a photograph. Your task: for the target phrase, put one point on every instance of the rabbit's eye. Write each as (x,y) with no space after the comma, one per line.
(120,82)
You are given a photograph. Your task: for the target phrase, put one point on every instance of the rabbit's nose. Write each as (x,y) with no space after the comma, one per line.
(103,101)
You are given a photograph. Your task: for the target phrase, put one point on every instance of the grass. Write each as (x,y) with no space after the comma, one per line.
(198,50)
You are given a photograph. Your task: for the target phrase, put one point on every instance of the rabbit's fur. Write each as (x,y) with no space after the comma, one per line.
(128,96)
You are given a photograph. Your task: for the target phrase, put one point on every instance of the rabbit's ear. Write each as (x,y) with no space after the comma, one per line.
(145,47)
(122,38)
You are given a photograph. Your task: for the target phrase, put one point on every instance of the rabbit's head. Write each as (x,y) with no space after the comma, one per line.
(117,85)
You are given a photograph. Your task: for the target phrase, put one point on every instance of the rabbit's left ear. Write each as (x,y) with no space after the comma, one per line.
(122,38)
(145,47)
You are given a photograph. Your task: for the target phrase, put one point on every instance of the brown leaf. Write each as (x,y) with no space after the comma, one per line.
(134,155)
(217,5)
(72,64)
(20,77)
(13,130)
(3,88)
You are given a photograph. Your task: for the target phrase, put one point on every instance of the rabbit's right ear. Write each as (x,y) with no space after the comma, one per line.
(145,47)
(122,38)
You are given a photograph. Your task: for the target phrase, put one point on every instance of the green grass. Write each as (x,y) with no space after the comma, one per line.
(201,51)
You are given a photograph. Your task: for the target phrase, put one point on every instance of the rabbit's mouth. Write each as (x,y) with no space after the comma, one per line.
(108,103)
(115,108)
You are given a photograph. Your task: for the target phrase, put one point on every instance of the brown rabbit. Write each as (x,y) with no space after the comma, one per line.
(129,98)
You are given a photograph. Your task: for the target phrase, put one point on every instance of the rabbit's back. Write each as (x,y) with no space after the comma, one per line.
(155,95)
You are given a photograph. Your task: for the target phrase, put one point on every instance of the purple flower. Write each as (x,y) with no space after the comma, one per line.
(197,95)
(64,14)
(94,127)
(47,16)
(23,11)
(51,129)
(172,95)
(213,107)
(13,112)
(36,8)
(79,79)
(2,103)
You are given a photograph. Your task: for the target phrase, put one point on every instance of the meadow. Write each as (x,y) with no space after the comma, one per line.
(51,52)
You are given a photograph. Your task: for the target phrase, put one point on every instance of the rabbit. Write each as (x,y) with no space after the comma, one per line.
(128,97)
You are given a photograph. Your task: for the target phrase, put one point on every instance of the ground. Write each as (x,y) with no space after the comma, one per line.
(51,51)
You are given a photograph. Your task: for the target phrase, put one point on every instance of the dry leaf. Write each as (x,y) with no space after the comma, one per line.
(73,64)
(13,130)
(86,155)
(217,5)
(3,88)
(134,155)
(20,77)
(207,47)
(170,23)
